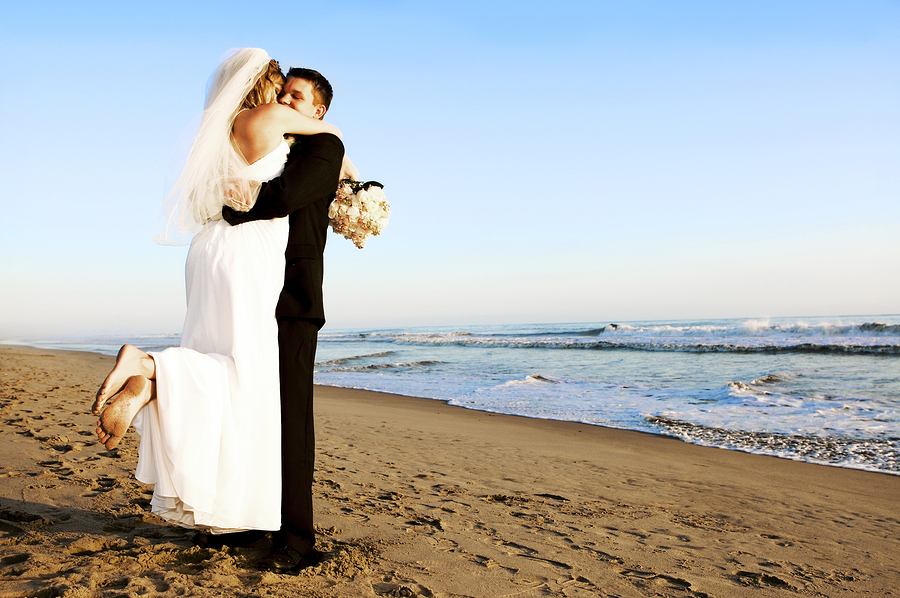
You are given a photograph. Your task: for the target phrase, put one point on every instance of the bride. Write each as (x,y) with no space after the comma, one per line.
(208,412)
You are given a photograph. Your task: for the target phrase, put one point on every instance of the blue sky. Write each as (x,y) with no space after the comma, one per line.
(546,162)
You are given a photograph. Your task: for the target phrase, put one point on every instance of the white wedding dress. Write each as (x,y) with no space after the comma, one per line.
(211,441)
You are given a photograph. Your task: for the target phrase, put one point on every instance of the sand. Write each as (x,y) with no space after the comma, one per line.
(417,498)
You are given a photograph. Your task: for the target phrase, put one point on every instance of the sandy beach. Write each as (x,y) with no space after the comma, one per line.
(417,498)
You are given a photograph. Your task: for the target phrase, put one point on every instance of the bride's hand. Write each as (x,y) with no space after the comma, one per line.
(240,197)
(348,170)
(239,205)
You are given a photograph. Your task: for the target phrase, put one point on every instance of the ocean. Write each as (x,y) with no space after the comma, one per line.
(822,390)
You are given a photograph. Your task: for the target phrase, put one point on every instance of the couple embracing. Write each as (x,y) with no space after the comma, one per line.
(226,419)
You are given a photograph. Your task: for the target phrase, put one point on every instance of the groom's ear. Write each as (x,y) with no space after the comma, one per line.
(320,111)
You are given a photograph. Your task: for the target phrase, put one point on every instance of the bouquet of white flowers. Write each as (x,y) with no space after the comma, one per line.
(359,210)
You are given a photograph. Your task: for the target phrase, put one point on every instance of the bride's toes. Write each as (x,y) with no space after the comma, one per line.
(99,401)
(102,436)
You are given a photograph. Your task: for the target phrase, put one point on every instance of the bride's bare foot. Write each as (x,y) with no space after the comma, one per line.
(130,361)
(120,412)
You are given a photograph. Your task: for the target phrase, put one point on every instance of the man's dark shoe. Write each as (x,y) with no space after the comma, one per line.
(288,560)
(235,540)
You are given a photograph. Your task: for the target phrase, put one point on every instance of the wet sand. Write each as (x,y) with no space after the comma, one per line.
(417,498)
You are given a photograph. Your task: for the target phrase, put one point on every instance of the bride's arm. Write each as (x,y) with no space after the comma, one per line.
(277,119)
(348,170)
(260,130)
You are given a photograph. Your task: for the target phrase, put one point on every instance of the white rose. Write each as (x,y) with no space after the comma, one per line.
(376,193)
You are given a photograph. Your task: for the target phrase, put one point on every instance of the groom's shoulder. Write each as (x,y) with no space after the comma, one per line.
(312,144)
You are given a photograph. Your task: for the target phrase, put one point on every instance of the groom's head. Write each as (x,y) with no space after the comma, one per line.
(307,92)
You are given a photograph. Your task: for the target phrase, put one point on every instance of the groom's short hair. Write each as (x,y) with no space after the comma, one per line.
(322,91)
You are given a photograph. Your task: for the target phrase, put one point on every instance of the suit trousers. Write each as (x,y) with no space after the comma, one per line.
(297,354)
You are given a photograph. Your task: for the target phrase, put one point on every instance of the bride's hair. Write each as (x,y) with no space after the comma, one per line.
(267,87)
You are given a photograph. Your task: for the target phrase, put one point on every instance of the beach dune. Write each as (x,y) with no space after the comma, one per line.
(417,498)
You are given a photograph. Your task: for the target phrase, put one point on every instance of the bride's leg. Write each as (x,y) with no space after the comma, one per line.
(117,416)
(131,361)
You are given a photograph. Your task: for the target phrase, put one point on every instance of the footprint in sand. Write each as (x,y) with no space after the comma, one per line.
(777,539)
(106,483)
(142,499)
(62,448)
(602,556)
(554,497)
(401,590)
(19,516)
(14,559)
(487,562)
(124,523)
(577,582)
(100,485)
(443,544)
(90,545)
(354,514)
(643,579)
(751,578)
(59,468)
(427,521)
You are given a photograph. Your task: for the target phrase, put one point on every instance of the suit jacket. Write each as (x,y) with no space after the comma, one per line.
(303,192)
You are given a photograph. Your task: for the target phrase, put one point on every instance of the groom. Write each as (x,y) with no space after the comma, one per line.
(303,192)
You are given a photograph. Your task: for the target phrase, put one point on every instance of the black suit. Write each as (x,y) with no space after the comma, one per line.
(303,192)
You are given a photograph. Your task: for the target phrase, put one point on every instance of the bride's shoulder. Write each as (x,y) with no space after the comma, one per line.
(255,132)
(247,120)
(263,112)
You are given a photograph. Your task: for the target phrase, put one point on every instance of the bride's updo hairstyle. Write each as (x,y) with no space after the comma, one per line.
(267,87)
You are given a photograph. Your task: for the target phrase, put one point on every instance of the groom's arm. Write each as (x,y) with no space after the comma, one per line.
(311,174)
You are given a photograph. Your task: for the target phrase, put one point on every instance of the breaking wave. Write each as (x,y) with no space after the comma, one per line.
(750,336)
(353,358)
(874,454)
(379,366)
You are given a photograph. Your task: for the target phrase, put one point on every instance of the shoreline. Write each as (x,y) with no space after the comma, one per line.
(796,457)
(447,402)
(416,497)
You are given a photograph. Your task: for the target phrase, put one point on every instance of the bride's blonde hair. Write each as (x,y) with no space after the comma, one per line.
(267,87)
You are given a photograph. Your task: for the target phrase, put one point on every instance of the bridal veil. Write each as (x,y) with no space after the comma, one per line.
(209,176)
